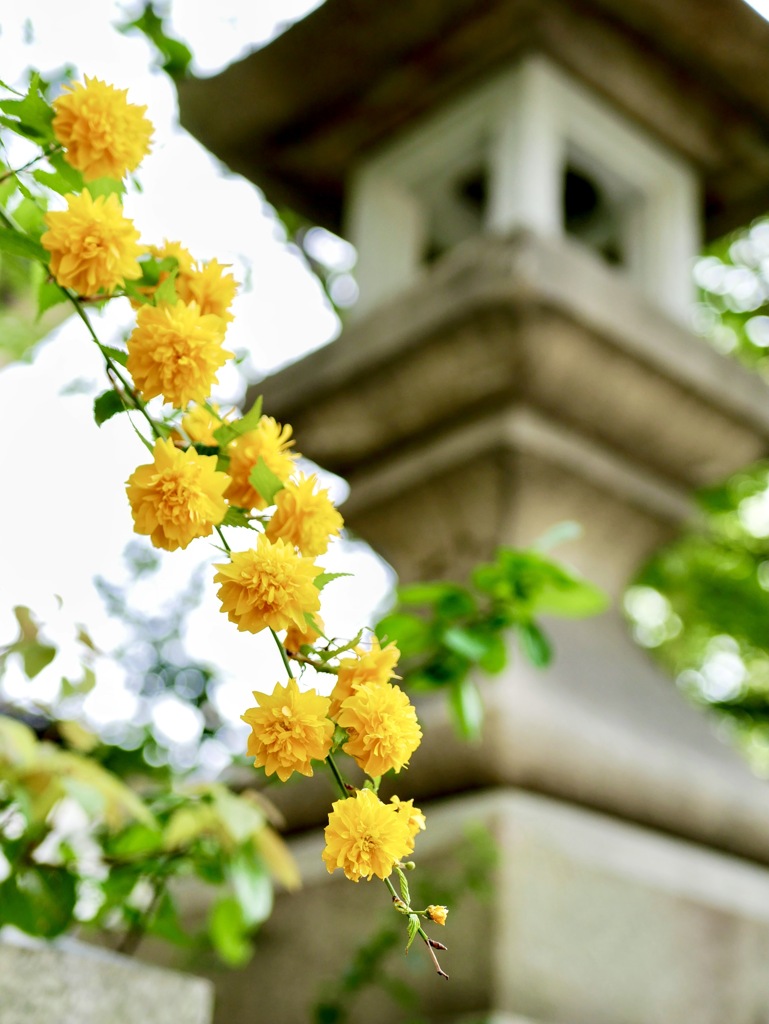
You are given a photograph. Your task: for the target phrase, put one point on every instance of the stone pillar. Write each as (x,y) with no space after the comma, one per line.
(519,384)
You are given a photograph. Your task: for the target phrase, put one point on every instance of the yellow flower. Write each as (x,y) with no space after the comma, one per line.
(210,287)
(382,726)
(304,518)
(269,440)
(365,837)
(199,424)
(175,352)
(437,913)
(374,665)
(289,730)
(414,817)
(178,497)
(297,637)
(268,586)
(104,135)
(93,247)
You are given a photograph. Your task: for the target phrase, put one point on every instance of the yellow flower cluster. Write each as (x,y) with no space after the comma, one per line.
(210,471)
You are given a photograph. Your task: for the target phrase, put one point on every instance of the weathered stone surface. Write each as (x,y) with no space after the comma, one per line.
(70,983)
(593,921)
(350,76)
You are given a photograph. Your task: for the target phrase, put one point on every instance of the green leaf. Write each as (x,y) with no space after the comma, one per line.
(175,57)
(107,405)
(413,930)
(134,842)
(326,577)
(33,113)
(166,291)
(535,644)
(465,642)
(72,177)
(105,187)
(229,431)
(39,900)
(411,633)
(117,355)
(236,517)
(465,704)
(20,245)
(252,886)
(404,887)
(263,480)
(165,923)
(36,657)
(49,294)
(228,932)
(495,656)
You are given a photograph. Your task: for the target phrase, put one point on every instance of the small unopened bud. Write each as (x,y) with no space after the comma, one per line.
(436,945)
(437,914)
(409,865)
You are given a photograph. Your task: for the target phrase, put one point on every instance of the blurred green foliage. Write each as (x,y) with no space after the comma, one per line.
(702,605)
(458,630)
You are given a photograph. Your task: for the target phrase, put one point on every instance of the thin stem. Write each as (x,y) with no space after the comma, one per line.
(284,656)
(319,666)
(11,172)
(337,776)
(222,539)
(137,402)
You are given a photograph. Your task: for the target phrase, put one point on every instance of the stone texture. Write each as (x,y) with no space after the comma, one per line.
(352,75)
(69,983)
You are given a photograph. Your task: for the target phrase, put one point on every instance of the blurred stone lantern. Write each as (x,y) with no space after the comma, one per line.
(527,184)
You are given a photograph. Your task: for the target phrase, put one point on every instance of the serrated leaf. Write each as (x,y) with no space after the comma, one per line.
(535,644)
(404,887)
(20,245)
(117,355)
(107,405)
(413,930)
(264,481)
(327,577)
(34,114)
(236,517)
(229,431)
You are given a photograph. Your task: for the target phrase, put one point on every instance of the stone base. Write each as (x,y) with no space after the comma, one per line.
(593,921)
(71,983)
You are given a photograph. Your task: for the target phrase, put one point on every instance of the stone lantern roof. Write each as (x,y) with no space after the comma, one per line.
(296,115)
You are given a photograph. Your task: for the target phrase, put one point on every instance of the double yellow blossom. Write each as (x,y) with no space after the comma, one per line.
(175,351)
(365,837)
(270,586)
(382,727)
(103,135)
(178,497)
(93,247)
(289,729)
(269,441)
(304,517)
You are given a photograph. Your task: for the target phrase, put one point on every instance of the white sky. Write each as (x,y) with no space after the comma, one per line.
(64,517)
